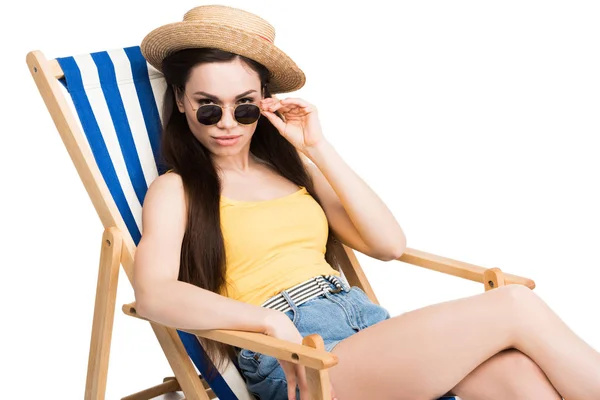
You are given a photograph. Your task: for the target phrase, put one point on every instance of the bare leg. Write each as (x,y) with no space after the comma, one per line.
(509,374)
(426,352)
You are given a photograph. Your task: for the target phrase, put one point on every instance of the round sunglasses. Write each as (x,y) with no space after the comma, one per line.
(211,114)
(244,114)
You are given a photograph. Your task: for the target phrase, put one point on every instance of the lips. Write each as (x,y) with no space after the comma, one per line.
(229,140)
(226,137)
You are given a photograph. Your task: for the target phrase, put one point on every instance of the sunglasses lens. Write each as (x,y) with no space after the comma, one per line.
(209,114)
(247,114)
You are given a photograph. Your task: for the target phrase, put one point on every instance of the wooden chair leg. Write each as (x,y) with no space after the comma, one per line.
(104,312)
(209,392)
(180,363)
(193,386)
(493,278)
(318,380)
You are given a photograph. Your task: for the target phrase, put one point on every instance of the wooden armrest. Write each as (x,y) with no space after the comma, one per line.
(457,268)
(280,349)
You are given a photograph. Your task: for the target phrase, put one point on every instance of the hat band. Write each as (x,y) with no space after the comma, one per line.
(265,38)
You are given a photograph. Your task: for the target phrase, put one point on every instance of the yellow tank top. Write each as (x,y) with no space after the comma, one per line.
(272,245)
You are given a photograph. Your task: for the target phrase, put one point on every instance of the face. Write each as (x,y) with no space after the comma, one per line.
(226,84)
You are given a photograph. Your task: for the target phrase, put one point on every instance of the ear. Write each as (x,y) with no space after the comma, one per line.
(178,99)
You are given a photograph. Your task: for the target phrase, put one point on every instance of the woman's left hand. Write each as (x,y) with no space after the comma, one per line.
(300,125)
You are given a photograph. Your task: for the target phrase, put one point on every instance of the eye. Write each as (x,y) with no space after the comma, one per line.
(246,100)
(204,102)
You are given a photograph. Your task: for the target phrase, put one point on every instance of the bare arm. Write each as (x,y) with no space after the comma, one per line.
(356,214)
(159,295)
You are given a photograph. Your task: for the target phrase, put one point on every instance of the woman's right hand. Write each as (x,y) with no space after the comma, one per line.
(280,326)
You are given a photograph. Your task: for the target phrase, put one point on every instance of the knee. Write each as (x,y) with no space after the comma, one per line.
(518,297)
(517,292)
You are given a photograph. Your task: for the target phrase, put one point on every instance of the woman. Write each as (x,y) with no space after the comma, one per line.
(240,235)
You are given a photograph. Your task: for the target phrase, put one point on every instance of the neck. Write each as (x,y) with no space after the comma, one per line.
(240,163)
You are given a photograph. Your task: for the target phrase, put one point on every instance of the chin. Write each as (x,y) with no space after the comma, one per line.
(230,151)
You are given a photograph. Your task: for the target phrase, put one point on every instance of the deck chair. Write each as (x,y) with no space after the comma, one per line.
(105,106)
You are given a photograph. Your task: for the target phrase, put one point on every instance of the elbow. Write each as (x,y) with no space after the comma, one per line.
(150,298)
(141,307)
(146,292)
(395,251)
(143,303)
(392,255)
(398,253)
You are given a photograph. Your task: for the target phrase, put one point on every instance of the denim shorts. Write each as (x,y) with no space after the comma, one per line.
(334,316)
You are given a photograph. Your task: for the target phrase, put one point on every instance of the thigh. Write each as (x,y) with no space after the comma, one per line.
(509,374)
(424,353)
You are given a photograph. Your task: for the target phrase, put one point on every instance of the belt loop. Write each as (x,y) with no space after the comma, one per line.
(289,300)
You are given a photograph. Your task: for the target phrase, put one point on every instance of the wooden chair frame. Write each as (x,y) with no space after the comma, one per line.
(118,248)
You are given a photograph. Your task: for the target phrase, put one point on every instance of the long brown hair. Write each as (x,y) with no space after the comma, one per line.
(202,260)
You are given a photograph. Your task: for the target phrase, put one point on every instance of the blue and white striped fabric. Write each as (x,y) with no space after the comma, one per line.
(117,97)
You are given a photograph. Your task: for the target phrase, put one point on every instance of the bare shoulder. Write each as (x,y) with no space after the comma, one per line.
(169,181)
(164,205)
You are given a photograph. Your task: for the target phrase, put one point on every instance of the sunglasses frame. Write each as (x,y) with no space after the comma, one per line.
(222,111)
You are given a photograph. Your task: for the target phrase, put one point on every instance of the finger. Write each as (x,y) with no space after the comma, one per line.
(291,384)
(275,120)
(291,111)
(301,381)
(298,102)
(268,101)
(287,109)
(295,111)
(277,107)
(286,104)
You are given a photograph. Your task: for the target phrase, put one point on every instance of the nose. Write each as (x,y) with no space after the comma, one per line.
(227,120)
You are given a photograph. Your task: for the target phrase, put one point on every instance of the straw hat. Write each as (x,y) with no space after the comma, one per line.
(230,29)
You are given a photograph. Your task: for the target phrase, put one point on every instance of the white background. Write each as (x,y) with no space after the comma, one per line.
(477,124)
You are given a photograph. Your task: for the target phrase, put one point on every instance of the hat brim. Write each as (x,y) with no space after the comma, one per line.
(286,76)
